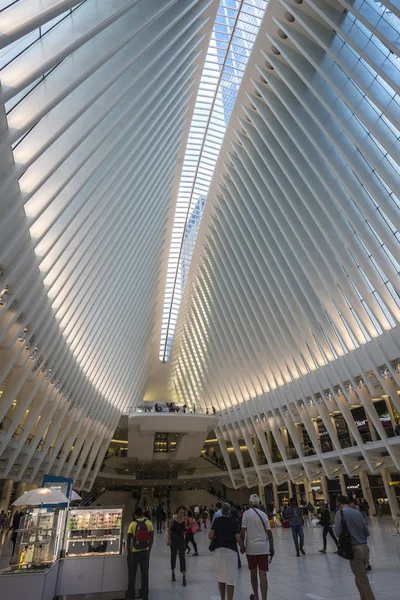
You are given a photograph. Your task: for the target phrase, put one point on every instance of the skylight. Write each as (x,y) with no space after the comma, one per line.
(234,33)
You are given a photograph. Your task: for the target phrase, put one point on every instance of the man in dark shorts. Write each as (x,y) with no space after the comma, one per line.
(259,545)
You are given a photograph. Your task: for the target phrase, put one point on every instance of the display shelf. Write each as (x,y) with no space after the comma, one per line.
(93,528)
(38,540)
(90,522)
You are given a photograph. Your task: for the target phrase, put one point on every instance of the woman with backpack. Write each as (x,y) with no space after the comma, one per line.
(176,541)
(191,528)
(327,520)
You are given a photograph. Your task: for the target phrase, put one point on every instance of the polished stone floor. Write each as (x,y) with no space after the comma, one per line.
(312,577)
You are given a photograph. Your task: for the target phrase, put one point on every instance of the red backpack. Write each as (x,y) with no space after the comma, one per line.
(141,538)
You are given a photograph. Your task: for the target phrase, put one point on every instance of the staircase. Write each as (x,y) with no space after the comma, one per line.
(191,497)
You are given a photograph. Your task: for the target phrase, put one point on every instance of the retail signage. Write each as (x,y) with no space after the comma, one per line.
(62,484)
(394,483)
(361,422)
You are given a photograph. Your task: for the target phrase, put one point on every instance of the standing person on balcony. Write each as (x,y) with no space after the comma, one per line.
(359,533)
(176,541)
(293,514)
(259,544)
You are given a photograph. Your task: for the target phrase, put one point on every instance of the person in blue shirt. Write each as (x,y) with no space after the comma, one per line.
(296,521)
(218,512)
(359,533)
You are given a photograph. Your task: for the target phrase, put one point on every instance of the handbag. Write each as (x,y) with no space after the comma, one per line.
(194,527)
(345,549)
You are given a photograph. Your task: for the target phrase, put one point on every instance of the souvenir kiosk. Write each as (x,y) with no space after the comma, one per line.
(63,551)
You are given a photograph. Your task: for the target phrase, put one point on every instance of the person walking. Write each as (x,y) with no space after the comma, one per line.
(176,540)
(293,515)
(359,533)
(191,528)
(204,516)
(14,527)
(227,536)
(217,513)
(139,543)
(235,516)
(326,521)
(259,543)
(159,517)
(211,513)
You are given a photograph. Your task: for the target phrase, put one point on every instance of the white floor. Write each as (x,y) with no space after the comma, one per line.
(312,577)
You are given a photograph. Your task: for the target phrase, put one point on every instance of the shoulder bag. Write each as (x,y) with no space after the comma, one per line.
(261,519)
(345,549)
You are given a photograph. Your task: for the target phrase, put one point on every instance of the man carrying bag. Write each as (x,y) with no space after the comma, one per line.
(352,532)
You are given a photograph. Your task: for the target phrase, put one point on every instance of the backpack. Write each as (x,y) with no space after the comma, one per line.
(141,538)
(345,548)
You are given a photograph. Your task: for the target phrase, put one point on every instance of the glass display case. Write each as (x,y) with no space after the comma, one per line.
(94,531)
(39,539)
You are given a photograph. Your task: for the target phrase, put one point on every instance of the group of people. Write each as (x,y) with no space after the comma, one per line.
(350,518)
(247,530)
(251,535)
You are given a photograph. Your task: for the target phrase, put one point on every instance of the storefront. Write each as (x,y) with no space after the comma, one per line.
(361,422)
(353,486)
(334,491)
(325,439)
(379,495)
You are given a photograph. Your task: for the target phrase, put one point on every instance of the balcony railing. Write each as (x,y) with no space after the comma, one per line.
(307,449)
(291,453)
(18,433)
(50,450)
(29,440)
(215,461)
(5,424)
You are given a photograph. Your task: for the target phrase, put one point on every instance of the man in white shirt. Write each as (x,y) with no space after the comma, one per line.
(259,543)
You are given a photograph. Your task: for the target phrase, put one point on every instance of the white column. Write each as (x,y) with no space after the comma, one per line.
(290,489)
(366,490)
(394,505)
(298,495)
(343,488)
(261,493)
(324,486)
(6,494)
(308,491)
(276,496)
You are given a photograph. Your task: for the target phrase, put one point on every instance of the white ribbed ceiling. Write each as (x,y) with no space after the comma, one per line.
(297,262)
(97,99)
(292,295)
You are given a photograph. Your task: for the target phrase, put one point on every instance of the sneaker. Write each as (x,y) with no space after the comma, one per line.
(184,579)
(297,553)
(323,551)
(302,551)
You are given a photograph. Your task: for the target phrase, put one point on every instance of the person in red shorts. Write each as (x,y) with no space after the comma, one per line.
(259,545)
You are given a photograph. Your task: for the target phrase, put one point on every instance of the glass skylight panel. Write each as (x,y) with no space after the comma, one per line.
(234,33)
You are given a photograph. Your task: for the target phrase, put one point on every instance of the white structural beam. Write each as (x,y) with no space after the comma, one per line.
(96,98)
(296,267)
